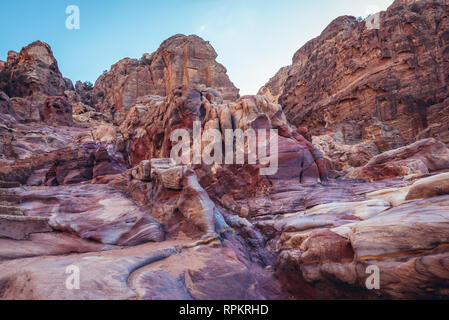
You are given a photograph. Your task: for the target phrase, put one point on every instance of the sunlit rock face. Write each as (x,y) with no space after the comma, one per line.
(33,73)
(179,60)
(396,74)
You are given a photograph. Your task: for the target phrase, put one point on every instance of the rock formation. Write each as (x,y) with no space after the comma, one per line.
(386,85)
(419,158)
(33,73)
(7,111)
(179,60)
(88,176)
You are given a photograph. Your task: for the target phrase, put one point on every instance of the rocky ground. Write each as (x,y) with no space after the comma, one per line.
(86,178)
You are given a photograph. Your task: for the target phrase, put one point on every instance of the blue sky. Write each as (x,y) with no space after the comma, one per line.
(253,38)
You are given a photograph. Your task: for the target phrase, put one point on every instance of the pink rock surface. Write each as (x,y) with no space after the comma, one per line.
(95,191)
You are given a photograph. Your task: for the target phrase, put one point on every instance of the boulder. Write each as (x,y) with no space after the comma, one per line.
(433,186)
(170,178)
(419,158)
(142,171)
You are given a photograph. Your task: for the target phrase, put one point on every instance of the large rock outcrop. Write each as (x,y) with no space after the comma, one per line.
(35,86)
(397,73)
(179,60)
(147,130)
(33,73)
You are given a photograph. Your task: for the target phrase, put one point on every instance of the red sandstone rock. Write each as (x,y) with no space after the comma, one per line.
(213,227)
(34,73)
(419,158)
(22,141)
(7,113)
(429,187)
(179,60)
(150,271)
(26,109)
(56,111)
(147,131)
(70,165)
(351,73)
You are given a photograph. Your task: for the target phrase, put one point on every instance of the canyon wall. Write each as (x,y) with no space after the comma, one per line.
(388,85)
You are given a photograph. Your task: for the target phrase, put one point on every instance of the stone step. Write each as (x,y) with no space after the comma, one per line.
(11,199)
(8,203)
(20,227)
(9,184)
(9,210)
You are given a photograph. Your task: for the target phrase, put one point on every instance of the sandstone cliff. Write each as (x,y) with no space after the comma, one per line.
(33,73)
(397,74)
(179,60)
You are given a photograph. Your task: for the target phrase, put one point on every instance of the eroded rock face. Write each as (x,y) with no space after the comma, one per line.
(26,109)
(175,198)
(352,73)
(22,141)
(420,158)
(33,73)
(71,165)
(56,111)
(179,60)
(36,87)
(147,131)
(7,113)
(93,212)
(404,241)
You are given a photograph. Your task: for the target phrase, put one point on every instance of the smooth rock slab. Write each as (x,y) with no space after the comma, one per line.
(103,275)
(362,210)
(395,196)
(417,225)
(95,212)
(204,273)
(429,187)
(47,244)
